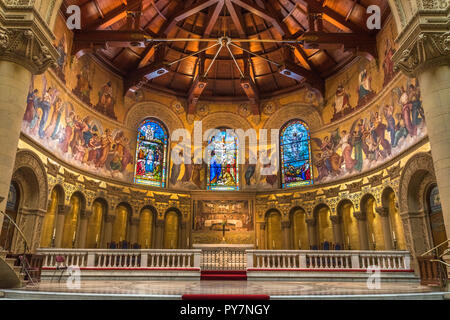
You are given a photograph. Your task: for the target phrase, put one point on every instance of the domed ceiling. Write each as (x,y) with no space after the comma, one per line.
(152,43)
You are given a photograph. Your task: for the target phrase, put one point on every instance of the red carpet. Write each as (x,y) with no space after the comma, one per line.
(224,275)
(257,297)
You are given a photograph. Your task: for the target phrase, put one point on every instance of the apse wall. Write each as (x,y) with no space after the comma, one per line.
(369,119)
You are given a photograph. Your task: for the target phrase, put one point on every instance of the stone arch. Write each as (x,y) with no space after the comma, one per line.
(298,228)
(307,113)
(152,109)
(323,226)
(273,219)
(172,237)
(350,231)
(417,177)
(146,237)
(121,224)
(30,176)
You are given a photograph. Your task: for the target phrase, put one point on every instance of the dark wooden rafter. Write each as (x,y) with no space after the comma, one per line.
(298,73)
(138,78)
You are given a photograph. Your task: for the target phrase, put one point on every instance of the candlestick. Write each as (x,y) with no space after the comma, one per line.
(393,233)
(373,237)
(273,244)
(54,233)
(257,243)
(299,244)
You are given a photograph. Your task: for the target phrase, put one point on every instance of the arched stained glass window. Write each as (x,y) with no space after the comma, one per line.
(295,147)
(151,154)
(223,170)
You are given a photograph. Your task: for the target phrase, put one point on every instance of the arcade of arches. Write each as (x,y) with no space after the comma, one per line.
(363,162)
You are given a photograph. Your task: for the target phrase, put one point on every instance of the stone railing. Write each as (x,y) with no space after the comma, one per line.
(100,259)
(328,260)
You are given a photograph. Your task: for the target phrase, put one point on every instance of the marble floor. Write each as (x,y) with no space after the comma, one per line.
(272,288)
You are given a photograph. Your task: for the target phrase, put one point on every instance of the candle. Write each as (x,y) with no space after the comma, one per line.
(348,240)
(96,238)
(273,244)
(74,233)
(373,237)
(393,233)
(54,233)
(299,243)
(257,243)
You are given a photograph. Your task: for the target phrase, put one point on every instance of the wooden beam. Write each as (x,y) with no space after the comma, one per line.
(139,77)
(237,18)
(213,19)
(319,6)
(263,13)
(195,93)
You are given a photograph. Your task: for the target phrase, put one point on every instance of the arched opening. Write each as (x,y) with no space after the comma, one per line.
(48,233)
(95,224)
(120,226)
(324,227)
(299,229)
(71,221)
(12,209)
(273,226)
(345,210)
(435,217)
(398,234)
(151,154)
(172,229)
(146,227)
(374,223)
(295,151)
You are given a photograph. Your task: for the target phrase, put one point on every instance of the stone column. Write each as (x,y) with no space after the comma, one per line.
(362,230)
(107,235)
(25,48)
(59,224)
(312,232)
(82,231)
(386,225)
(134,227)
(183,237)
(424,52)
(159,240)
(285,227)
(262,236)
(337,230)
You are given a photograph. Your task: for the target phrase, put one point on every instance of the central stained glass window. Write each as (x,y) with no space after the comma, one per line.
(295,147)
(223,171)
(151,154)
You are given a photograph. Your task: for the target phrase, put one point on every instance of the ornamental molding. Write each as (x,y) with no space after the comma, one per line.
(355,186)
(91,184)
(70,177)
(332,192)
(52,168)
(376,180)
(425,41)
(25,38)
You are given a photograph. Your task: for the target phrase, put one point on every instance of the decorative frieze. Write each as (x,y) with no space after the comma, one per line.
(332,192)
(70,177)
(113,190)
(394,172)
(355,186)
(52,168)
(91,184)
(309,196)
(376,180)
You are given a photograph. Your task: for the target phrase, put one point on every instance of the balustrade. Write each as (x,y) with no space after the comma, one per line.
(104,259)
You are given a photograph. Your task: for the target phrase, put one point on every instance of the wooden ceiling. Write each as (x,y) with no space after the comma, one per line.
(118,33)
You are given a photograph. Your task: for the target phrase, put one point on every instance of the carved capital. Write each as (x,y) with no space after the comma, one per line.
(110,218)
(91,184)
(25,37)
(359,215)
(285,224)
(86,214)
(159,223)
(332,192)
(425,41)
(382,211)
(311,222)
(336,219)
(262,225)
(134,221)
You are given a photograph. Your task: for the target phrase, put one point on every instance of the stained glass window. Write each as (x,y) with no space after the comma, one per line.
(295,150)
(151,154)
(223,171)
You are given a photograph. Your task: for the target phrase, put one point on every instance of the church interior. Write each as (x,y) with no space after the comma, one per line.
(182,149)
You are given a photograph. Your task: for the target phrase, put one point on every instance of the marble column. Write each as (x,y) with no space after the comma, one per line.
(362,230)
(337,230)
(82,231)
(134,227)
(312,232)
(26,48)
(262,233)
(424,52)
(159,240)
(286,230)
(59,224)
(386,226)
(107,235)
(183,237)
